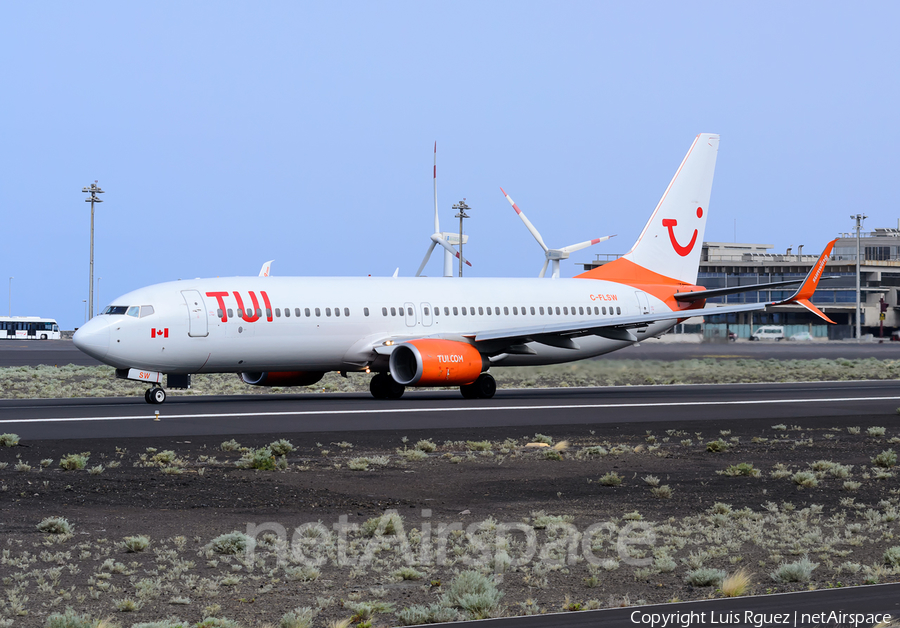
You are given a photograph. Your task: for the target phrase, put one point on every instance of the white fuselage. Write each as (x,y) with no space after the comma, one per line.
(202,325)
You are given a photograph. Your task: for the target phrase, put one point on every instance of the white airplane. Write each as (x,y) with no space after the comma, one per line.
(290,331)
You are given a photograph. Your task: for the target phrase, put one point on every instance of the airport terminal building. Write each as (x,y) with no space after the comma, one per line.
(726,264)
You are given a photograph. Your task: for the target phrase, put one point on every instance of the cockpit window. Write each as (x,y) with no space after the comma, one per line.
(146,310)
(116,310)
(134,310)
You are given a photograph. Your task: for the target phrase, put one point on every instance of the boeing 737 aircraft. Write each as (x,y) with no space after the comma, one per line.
(290,331)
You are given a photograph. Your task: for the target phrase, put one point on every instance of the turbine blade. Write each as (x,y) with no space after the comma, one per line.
(449,247)
(583,245)
(425,261)
(534,232)
(544,268)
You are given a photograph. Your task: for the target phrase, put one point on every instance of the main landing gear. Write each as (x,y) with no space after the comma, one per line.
(155,395)
(383,386)
(482,388)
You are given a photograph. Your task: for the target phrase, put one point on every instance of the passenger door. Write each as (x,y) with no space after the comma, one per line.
(409,311)
(198,326)
(426,314)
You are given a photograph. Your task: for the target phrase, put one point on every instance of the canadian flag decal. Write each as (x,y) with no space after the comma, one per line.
(162,333)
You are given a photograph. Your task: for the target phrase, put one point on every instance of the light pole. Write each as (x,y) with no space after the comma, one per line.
(94,190)
(10,296)
(859,218)
(85,309)
(462,207)
(99,302)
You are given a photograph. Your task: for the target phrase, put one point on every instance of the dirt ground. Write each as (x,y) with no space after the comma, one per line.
(549,524)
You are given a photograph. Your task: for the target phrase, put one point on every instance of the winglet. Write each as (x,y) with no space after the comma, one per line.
(806,290)
(266,269)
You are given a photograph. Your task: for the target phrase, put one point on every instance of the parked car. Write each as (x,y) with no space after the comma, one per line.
(803,336)
(768,332)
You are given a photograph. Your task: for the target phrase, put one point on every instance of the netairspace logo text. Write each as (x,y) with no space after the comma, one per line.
(757,620)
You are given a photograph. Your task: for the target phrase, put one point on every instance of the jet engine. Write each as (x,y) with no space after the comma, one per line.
(282,378)
(433,362)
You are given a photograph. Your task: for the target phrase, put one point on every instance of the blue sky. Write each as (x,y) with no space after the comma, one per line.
(226,134)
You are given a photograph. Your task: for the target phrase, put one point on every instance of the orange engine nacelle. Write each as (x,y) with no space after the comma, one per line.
(429,362)
(282,378)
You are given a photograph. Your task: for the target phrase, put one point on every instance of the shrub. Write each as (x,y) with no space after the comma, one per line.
(705,577)
(358,464)
(69,619)
(742,468)
(72,462)
(165,623)
(215,622)
(97,470)
(886,459)
(9,440)
(363,611)
(474,593)
(737,584)
(281,447)
(55,525)
(412,454)
(892,556)
(408,573)
(805,479)
(136,543)
(798,571)
(540,438)
(230,445)
(127,605)
(389,523)
(552,454)
(875,432)
(303,573)
(231,543)
(611,479)
(717,446)
(478,445)
(662,492)
(652,480)
(426,446)
(420,614)
(261,459)
(298,618)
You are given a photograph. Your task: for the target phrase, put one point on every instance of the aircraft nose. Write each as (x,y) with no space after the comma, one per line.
(93,337)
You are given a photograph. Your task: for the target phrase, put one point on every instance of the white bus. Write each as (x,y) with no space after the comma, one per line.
(28,328)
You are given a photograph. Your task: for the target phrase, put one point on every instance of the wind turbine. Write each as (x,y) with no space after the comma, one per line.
(552,255)
(445,238)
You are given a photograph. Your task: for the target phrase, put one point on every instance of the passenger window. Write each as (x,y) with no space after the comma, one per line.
(230,313)
(268,312)
(365,311)
(337,311)
(278,312)
(515,310)
(346,311)
(455,311)
(541,310)
(287,312)
(464,311)
(327,311)
(505,311)
(393,311)
(596,310)
(146,310)
(557,310)
(532,310)
(566,311)
(472,311)
(446,311)
(581,310)
(481,311)
(409,311)
(134,311)
(384,311)
(240,313)
(426,312)
(318,312)
(297,312)
(488,308)
(618,310)
(220,313)
(306,311)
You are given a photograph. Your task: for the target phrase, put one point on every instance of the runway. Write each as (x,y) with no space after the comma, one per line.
(819,403)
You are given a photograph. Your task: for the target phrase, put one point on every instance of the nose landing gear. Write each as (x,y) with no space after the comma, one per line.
(155,395)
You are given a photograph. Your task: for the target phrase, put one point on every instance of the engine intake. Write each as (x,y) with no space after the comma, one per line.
(430,362)
(282,378)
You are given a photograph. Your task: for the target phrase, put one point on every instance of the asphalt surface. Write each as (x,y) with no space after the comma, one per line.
(60,352)
(824,403)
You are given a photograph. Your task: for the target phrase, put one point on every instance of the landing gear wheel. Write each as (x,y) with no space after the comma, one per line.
(147,395)
(383,386)
(155,395)
(482,388)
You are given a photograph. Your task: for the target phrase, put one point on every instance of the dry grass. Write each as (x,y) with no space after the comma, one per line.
(736,584)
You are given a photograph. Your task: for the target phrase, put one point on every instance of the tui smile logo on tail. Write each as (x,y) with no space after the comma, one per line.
(683,251)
